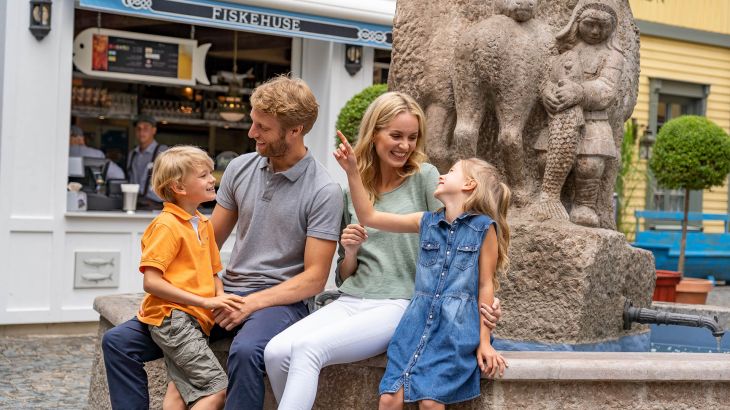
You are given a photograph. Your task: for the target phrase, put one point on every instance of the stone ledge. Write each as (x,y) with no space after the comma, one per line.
(534,366)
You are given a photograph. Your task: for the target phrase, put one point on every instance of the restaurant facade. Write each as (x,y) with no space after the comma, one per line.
(98,65)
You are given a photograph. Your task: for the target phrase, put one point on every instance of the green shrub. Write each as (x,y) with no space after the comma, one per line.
(348,121)
(691,152)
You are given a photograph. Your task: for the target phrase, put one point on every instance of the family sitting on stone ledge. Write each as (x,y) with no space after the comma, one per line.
(289,217)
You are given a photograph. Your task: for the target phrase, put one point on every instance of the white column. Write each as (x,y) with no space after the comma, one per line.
(35,79)
(323,68)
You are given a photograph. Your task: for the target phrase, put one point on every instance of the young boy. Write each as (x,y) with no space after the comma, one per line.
(180,262)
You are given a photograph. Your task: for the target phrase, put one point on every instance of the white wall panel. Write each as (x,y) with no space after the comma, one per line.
(27,273)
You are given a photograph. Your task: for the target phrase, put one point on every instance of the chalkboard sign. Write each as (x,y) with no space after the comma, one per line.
(134,56)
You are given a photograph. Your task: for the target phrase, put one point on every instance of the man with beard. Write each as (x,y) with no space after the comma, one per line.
(287,211)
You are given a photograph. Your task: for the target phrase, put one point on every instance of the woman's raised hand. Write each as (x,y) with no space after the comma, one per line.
(345,155)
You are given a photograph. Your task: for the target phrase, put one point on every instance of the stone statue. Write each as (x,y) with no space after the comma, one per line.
(503,60)
(585,84)
(567,283)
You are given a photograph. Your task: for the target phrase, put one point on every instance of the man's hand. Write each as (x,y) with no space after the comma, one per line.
(230,318)
(491,314)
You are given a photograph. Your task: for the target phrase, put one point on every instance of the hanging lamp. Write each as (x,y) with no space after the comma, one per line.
(232,108)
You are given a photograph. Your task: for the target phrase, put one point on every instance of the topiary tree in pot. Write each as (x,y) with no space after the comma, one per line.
(348,121)
(691,153)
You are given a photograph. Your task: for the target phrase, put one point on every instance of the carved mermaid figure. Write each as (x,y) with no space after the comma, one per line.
(587,44)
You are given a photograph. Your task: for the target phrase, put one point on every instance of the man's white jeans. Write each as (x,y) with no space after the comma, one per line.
(345,331)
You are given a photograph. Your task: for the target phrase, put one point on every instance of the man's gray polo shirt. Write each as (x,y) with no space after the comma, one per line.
(276,214)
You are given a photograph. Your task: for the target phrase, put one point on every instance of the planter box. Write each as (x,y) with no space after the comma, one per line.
(666,282)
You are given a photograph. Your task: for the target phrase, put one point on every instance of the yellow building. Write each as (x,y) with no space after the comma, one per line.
(685,69)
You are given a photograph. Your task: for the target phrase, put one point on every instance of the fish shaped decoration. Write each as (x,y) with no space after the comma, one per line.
(98,262)
(96,276)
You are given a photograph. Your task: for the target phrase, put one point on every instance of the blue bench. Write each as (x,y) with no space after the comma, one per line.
(707,254)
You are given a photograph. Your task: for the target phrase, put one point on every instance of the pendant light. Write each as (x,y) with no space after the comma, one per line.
(232,108)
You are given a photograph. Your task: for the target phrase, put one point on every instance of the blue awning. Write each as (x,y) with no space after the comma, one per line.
(248,18)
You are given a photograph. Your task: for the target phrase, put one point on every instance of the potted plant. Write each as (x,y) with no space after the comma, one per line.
(691,153)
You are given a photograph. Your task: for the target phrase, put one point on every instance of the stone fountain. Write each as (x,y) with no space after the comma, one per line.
(542,90)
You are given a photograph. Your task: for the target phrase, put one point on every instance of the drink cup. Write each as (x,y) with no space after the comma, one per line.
(130,197)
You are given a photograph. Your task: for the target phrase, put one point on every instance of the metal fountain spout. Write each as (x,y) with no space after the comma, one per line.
(648,316)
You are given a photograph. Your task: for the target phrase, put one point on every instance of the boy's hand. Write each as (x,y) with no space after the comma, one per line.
(345,155)
(491,363)
(225,301)
(230,318)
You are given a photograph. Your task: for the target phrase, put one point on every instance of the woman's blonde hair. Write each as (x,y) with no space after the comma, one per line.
(490,197)
(377,117)
(172,165)
(289,99)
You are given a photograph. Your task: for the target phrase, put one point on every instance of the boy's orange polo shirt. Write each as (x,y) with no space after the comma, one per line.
(171,245)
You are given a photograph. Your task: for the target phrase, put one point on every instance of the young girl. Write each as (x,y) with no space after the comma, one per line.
(431,354)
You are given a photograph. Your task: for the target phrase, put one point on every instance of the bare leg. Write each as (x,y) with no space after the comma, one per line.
(215,401)
(391,401)
(430,405)
(173,400)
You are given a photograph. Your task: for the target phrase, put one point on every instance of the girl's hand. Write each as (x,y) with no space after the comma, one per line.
(345,155)
(225,301)
(352,237)
(491,363)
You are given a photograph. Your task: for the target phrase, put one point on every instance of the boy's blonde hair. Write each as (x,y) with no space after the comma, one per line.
(289,99)
(377,116)
(172,165)
(491,197)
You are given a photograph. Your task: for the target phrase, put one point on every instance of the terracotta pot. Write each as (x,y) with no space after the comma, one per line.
(693,290)
(666,281)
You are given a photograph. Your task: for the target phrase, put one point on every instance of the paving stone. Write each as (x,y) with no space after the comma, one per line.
(45,372)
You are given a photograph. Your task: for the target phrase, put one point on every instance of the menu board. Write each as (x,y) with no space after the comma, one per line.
(129,56)
(134,56)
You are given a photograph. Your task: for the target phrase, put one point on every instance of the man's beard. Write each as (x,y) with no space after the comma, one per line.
(278,148)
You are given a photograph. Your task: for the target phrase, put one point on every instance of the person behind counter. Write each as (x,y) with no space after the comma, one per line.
(140,160)
(78,148)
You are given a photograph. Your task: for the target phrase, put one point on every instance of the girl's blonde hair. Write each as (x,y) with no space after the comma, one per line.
(491,197)
(173,165)
(378,115)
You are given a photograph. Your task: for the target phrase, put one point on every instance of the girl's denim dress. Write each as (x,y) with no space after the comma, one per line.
(432,354)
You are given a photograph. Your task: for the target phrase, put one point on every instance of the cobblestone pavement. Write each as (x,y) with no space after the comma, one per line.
(45,372)
(719,296)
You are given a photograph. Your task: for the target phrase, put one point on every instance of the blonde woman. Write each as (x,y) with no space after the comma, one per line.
(375,270)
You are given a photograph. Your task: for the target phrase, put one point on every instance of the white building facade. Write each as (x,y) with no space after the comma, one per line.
(55,262)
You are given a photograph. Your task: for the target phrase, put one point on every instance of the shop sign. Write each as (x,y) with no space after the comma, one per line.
(126,55)
(249,18)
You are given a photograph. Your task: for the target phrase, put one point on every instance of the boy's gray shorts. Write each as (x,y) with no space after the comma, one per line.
(190,362)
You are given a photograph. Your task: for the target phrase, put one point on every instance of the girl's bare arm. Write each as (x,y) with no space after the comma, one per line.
(366,213)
